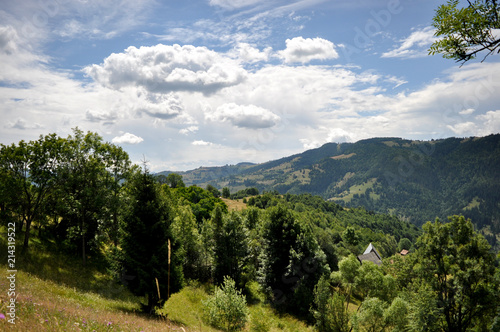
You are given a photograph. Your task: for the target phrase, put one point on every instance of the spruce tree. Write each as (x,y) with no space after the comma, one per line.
(145,242)
(291,262)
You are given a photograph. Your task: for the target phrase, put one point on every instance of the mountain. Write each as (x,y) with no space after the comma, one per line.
(204,175)
(416,180)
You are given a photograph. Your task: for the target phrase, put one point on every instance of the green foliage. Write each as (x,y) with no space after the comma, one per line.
(226,308)
(77,179)
(245,193)
(331,310)
(174,180)
(185,231)
(146,235)
(404,243)
(423,311)
(213,190)
(291,262)
(457,264)
(370,280)
(370,316)
(348,270)
(202,201)
(88,188)
(350,237)
(230,247)
(286,244)
(466,31)
(396,315)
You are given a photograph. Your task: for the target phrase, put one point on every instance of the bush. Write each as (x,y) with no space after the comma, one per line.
(226,309)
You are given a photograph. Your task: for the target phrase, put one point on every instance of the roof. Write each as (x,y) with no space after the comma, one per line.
(371,248)
(404,252)
(371,256)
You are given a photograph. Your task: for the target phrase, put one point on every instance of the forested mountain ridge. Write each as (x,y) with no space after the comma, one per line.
(416,180)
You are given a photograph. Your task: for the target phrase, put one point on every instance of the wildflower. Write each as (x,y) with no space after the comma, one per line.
(2,316)
(109,324)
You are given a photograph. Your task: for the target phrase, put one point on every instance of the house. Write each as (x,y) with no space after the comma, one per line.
(404,252)
(371,254)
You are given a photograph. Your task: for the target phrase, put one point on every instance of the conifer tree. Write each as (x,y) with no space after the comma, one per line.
(145,244)
(291,262)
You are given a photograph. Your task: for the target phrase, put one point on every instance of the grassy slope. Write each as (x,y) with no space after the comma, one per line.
(185,308)
(234,205)
(55,293)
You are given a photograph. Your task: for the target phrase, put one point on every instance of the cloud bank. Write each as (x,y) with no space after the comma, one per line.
(165,68)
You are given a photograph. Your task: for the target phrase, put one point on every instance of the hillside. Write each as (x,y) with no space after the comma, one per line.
(416,180)
(95,243)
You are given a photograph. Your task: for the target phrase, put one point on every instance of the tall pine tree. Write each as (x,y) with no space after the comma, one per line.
(291,262)
(145,242)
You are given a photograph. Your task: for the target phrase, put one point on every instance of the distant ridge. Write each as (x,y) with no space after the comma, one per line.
(416,180)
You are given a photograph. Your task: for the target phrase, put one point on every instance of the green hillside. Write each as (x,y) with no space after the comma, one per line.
(415,180)
(90,242)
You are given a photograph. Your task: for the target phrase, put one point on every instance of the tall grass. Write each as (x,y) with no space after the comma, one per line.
(185,308)
(55,292)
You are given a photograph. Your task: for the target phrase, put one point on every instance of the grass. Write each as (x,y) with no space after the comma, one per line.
(46,306)
(474,204)
(234,205)
(185,308)
(344,156)
(358,189)
(54,292)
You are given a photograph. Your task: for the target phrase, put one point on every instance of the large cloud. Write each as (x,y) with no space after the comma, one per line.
(244,116)
(164,68)
(305,50)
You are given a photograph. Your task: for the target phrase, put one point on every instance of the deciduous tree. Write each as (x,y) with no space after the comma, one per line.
(467,31)
(457,265)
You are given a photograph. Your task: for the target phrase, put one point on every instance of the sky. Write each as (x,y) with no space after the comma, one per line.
(184,84)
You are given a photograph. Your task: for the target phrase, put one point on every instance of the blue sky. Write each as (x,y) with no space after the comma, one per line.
(212,82)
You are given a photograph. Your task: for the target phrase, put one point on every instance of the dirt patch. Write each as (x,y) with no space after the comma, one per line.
(343,156)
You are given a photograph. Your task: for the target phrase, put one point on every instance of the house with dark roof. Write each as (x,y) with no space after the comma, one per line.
(371,254)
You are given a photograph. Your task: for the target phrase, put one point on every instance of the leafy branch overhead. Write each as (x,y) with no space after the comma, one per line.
(466,32)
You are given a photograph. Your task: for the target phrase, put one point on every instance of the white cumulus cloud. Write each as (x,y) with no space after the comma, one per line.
(304,50)
(244,116)
(201,143)
(165,68)
(248,53)
(157,105)
(96,115)
(127,138)
(22,124)
(189,130)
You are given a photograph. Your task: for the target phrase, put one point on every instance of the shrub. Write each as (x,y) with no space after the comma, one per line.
(226,309)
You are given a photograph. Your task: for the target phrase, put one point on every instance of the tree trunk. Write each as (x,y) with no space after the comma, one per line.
(27,235)
(84,258)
